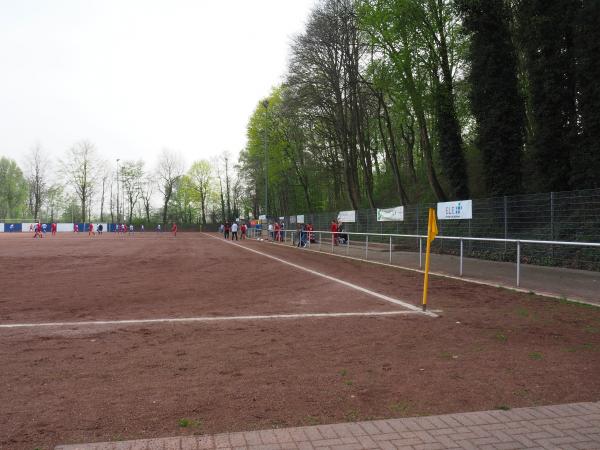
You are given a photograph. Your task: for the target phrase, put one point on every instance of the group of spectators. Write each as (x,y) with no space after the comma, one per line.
(276,231)
(230,230)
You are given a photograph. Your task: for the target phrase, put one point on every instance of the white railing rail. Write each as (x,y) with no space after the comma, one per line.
(292,237)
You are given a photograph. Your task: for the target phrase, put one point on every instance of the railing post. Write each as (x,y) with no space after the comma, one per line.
(347,243)
(518,263)
(332,239)
(505,222)
(461,257)
(390,249)
(420,253)
(320,240)
(367,247)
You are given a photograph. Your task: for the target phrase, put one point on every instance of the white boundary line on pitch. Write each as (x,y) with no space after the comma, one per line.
(205,319)
(345,283)
(454,277)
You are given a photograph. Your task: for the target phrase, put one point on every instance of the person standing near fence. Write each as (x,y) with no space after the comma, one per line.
(53,229)
(91,230)
(234,230)
(174,229)
(333,228)
(243,228)
(270,228)
(277,229)
(226,230)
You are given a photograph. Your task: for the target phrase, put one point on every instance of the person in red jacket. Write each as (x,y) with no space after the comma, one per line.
(53,229)
(174,229)
(333,228)
(277,229)
(243,228)
(91,230)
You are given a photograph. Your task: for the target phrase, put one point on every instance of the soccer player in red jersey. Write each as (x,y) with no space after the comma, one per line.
(333,228)
(53,229)
(174,229)
(91,230)
(38,231)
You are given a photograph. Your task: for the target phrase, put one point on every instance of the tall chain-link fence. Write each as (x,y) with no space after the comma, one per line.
(556,216)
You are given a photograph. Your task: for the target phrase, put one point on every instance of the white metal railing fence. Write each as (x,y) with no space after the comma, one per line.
(303,239)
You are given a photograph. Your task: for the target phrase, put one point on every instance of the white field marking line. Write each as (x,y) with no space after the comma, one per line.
(345,283)
(455,277)
(205,319)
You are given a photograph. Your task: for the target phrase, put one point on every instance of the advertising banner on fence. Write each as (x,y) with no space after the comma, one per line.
(292,219)
(262,217)
(347,216)
(61,227)
(390,214)
(1,228)
(300,218)
(462,209)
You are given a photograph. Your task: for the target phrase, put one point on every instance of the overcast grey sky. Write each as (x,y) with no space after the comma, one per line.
(135,76)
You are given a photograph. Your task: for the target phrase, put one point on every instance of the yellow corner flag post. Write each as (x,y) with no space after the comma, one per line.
(432,232)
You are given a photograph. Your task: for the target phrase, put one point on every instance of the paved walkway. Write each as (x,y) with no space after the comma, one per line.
(570,426)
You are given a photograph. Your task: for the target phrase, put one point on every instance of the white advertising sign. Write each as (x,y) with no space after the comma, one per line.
(282,218)
(390,214)
(347,216)
(292,219)
(64,227)
(300,218)
(462,209)
(1,228)
(262,217)
(26,227)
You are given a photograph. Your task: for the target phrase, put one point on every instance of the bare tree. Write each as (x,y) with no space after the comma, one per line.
(131,176)
(54,199)
(147,189)
(37,179)
(80,170)
(105,175)
(169,168)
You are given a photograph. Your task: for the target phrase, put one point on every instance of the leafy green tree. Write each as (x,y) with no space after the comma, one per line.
(547,36)
(494,92)
(200,175)
(586,156)
(13,190)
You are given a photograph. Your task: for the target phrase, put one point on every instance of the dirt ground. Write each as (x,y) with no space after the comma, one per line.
(490,348)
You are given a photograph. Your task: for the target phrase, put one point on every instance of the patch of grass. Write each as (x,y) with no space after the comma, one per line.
(189,423)
(276,423)
(522,393)
(522,312)
(312,420)
(536,356)
(343,372)
(565,301)
(348,382)
(501,337)
(400,407)
(586,346)
(502,407)
(446,355)
(352,415)
(591,329)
